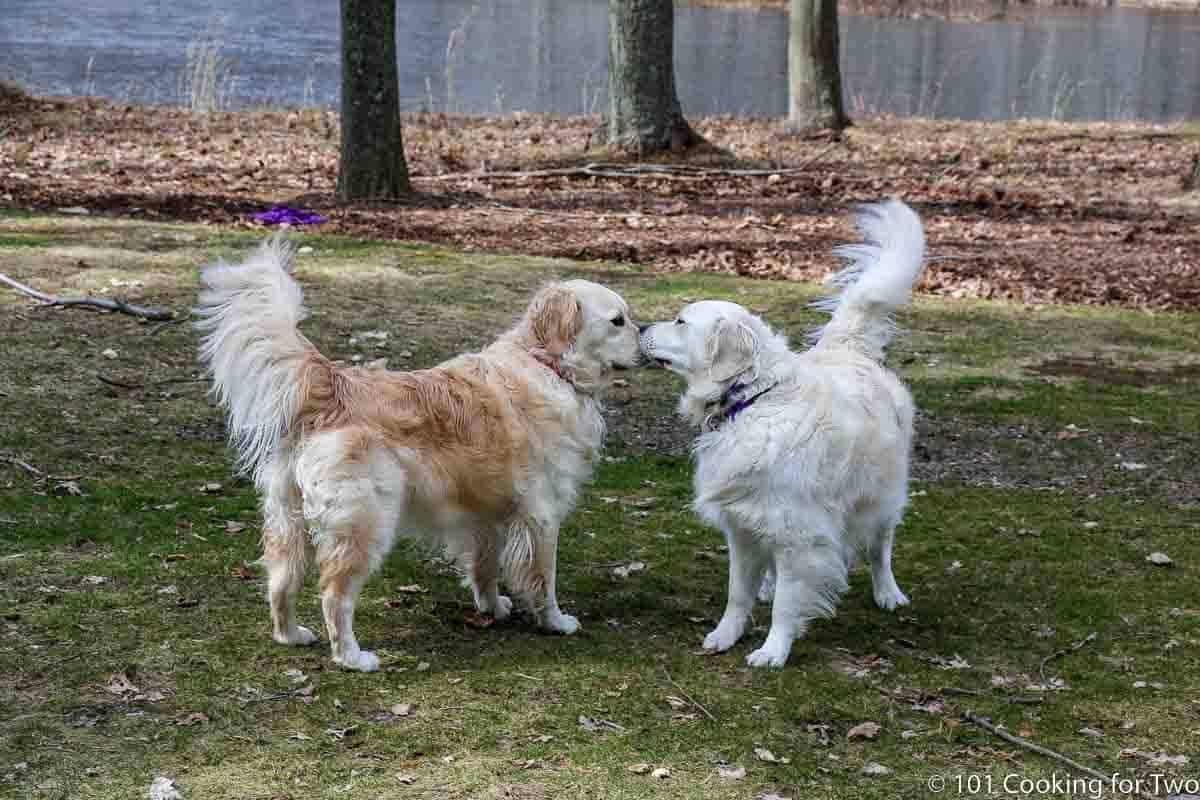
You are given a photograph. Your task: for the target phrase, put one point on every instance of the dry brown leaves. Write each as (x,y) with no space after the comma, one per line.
(1036,212)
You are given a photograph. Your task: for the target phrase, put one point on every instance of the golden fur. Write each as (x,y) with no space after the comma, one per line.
(484,453)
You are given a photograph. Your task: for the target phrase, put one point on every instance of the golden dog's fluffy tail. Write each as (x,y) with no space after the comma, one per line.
(878,279)
(263,369)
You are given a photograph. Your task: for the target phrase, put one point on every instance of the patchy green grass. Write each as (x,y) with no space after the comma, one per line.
(136,637)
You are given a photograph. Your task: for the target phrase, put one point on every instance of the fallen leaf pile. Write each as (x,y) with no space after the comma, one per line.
(1039,212)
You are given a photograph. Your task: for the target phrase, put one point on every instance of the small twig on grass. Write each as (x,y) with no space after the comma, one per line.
(1091,637)
(32,470)
(527,677)
(37,473)
(245,701)
(142,312)
(1015,700)
(986,724)
(147,384)
(688,697)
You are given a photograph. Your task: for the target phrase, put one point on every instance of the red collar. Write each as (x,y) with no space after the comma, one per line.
(552,364)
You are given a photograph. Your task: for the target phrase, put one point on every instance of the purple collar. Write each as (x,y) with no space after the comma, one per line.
(728,411)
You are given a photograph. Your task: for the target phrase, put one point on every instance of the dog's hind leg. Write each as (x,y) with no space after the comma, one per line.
(747,562)
(285,552)
(483,572)
(809,579)
(879,553)
(348,554)
(353,496)
(531,567)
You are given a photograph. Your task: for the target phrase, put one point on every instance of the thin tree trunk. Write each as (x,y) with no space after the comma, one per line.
(644,112)
(372,163)
(814,74)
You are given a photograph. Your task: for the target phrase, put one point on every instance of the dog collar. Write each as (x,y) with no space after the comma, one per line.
(727,410)
(551,364)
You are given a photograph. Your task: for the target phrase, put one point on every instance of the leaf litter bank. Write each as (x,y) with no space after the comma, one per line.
(1037,212)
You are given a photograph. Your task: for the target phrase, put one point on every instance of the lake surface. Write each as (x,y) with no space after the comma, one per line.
(500,56)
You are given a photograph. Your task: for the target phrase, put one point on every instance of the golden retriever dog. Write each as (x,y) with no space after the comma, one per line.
(802,457)
(483,454)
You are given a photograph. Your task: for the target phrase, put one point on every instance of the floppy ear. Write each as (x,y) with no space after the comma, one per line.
(555,318)
(732,349)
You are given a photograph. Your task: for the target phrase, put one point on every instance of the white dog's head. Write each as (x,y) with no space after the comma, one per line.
(585,328)
(713,344)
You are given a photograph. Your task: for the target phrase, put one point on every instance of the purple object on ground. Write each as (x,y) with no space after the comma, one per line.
(286,215)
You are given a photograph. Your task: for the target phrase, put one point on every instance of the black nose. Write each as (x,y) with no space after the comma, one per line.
(642,328)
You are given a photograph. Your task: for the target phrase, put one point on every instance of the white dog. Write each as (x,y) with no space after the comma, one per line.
(483,454)
(803,457)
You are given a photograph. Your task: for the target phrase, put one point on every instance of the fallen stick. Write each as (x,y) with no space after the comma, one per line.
(1011,699)
(1091,637)
(245,701)
(32,470)
(167,381)
(37,473)
(599,169)
(688,697)
(983,722)
(119,306)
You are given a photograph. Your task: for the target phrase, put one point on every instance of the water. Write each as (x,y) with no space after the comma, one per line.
(500,56)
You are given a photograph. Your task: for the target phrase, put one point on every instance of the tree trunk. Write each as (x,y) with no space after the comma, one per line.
(1191,178)
(372,165)
(814,75)
(644,113)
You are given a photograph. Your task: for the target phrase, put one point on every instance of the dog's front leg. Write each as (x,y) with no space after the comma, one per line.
(808,581)
(747,561)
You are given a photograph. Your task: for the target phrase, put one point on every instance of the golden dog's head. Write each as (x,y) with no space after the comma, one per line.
(584,327)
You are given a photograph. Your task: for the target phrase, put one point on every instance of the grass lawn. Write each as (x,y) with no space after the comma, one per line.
(1057,449)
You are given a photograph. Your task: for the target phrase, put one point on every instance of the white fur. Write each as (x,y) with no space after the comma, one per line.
(815,471)
(250,314)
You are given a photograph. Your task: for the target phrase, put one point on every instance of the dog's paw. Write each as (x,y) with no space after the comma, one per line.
(560,623)
(766,656)
(890,599)
(363,661)
(722,638)
(300,637)
(503,609)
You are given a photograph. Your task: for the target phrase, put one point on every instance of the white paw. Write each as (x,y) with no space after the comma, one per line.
(723,637)
(560,623)
(890,599)
(362,660)
(503,608)
(300,637)
(767,656)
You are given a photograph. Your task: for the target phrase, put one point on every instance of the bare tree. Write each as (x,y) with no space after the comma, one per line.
(644,112)
(814,75)
(372,160)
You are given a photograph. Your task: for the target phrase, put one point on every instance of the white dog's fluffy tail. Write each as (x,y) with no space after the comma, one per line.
(878,279)
(261,366)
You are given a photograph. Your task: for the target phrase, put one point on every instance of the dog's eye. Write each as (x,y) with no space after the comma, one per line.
(679,321)
(619,320)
